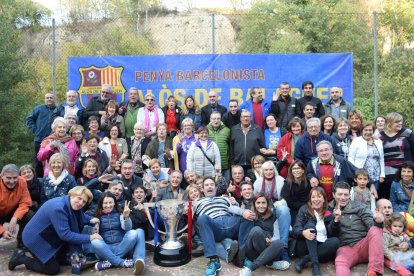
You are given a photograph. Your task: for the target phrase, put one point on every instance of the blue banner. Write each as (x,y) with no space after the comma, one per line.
(230,75)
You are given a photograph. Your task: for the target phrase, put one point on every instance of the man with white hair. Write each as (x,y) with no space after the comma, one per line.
(305,148)
(96,106)
(69,107)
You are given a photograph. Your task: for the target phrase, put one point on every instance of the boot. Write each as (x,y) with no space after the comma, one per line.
(301,263)
(316,271)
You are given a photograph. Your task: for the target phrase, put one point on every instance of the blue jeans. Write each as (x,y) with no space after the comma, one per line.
(133,241)
(216,230)
(282,213)
(223,247)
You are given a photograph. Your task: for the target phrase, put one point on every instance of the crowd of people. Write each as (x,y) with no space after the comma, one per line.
(268,181)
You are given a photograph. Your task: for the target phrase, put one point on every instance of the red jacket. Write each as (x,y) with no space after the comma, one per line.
(17,199)
(286,143)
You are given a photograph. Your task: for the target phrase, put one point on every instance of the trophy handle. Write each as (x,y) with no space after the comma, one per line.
(147,205)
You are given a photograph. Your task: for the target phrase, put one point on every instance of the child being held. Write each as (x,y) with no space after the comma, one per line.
(361,193)
(399,257)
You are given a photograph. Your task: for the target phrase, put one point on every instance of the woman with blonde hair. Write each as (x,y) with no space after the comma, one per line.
(398,146)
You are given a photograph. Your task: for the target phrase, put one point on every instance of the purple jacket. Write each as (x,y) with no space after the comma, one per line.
(182,150)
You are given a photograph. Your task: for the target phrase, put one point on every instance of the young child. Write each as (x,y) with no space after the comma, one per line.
(394,236)
(361,193)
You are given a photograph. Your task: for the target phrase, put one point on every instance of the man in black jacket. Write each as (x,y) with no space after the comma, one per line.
(209,108)
(284,107)
(96,106)
(308,97)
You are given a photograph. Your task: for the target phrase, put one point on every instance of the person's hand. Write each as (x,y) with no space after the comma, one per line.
(275,96)
(180,196)
(337,213)
(381,179)
(378,217)
(180,136)
(126,211)
(154,194)
(94,221)
(113,163)
(249,215)
(84,149)
(167,152)
(374,191)
(403,246)
(10,230)
(268,241)
(263,151)
(95,236)
(105,178)
(314,182)
(231,188)
(284,154)
(308,234)
(232,200)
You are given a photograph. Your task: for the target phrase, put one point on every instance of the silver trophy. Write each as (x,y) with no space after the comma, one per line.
(172,252)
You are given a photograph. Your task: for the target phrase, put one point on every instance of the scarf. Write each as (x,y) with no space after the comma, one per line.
(272,189)
(147,120)
(136,155)
(56,181)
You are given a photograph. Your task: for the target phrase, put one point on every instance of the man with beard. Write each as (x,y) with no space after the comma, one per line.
(129,110)
(96,106)
(258,107)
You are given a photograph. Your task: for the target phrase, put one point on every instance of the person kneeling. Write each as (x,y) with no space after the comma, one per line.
(119,240)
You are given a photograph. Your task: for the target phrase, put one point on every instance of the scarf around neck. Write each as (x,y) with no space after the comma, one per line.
(147,121)
(56,181)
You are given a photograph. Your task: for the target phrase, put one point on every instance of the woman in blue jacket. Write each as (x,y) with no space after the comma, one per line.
(118,237)
(58,223)
(401,190)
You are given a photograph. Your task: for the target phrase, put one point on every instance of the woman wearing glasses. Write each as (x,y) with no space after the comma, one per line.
(150,116)
(137,145)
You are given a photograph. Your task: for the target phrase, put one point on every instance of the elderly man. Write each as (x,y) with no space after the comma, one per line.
(360,234)
(129,110)
(305,148)
(15,203)
(257,106)
(308,97)
(39,122)
(284,107)
(128,178)
(232,117)
(328,168)
(213,105)
(220,134)
(70,106)
(337,106)
(246,140)
(96,106)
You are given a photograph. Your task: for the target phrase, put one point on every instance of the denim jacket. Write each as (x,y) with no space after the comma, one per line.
(113,227)
(399,199)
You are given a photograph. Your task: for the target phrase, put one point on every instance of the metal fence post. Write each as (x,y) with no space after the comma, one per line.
(375,65)
(54,56)
(213,34)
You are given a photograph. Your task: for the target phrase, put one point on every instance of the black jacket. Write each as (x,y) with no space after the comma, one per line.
(207,110)
(285,110)
(92,109)
(177,115)
(231,120)
(316,102)
(243,147)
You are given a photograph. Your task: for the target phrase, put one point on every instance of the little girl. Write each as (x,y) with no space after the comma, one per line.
(361,193)
(394,237)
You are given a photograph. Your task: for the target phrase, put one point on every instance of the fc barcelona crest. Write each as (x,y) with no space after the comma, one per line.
(92,79)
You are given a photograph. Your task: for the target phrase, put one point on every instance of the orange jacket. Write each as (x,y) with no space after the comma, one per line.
(17,200)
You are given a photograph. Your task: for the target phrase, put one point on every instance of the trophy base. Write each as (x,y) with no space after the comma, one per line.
(171,257)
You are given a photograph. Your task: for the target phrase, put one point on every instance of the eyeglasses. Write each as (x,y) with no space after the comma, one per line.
(139,128)
(105,92)
(150,100)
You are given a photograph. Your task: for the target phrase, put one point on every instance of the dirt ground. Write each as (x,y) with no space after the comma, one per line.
(195,267)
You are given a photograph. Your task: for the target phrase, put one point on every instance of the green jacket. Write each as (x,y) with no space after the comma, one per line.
(221,137)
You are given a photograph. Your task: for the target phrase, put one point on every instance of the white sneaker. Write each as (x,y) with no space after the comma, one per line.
(245,272)
(279,265)
(139,266)
(128,263)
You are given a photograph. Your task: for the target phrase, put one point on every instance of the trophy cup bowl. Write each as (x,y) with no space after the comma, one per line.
(172,252)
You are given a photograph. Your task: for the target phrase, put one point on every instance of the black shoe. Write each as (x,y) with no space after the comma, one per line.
(239,258)
(15,258)
(316,271)
(198,251)
(232,251)
(300,264)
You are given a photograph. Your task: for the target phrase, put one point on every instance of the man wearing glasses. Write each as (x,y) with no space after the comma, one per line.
(96,106)
(305,148)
